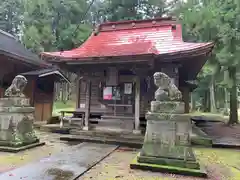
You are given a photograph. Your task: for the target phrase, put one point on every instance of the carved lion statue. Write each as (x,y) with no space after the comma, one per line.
(166,86)
(17,87)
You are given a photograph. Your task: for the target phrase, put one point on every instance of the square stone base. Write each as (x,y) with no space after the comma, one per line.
(168,162)
(200,172)
(20,148)
(136,131)
(24,142)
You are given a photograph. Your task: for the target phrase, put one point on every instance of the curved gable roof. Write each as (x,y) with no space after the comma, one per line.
(162,36)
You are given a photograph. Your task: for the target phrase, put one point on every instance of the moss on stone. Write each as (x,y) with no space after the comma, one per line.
(197,140)
(167,169)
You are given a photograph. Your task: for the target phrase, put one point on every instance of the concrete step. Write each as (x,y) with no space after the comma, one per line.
(101,134)
(131,118)
(106,140)
(55,128)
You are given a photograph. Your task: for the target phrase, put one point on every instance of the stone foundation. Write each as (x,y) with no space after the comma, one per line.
(16,122)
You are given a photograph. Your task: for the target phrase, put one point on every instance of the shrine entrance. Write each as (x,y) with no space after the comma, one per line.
(118,97)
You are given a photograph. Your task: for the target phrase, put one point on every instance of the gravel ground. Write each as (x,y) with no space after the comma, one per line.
(116,166)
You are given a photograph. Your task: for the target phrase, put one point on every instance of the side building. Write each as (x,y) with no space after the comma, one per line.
(15,59)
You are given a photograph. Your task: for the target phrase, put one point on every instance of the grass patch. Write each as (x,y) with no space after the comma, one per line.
(60,106)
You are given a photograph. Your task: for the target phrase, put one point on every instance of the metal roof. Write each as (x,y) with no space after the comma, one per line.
(10,46)
(47,72)
(162,36)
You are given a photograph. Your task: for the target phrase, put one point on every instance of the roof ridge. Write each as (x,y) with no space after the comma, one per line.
(135,24)
(139,20)
(7,34)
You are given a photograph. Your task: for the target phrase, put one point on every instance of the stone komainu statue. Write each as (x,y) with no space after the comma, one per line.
(17,87)
(166,88)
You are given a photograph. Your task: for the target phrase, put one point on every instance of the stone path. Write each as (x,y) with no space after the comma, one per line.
(116,166)
(222,135)
(66,165)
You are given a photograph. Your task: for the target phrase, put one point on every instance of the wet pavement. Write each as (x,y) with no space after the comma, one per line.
(67,165)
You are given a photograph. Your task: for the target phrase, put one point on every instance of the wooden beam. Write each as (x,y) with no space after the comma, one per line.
(33,85)
(186,99)
(137,106)
(78,92)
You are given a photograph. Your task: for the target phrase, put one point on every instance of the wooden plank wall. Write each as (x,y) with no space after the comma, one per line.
(43,106)
(43,100)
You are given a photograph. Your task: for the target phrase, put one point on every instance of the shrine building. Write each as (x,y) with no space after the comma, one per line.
(116,64)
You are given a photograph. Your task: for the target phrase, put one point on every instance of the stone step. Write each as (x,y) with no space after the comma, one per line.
(118,117)
(107,134)
(122,142)
(133,139)
(227,142)
(55,128)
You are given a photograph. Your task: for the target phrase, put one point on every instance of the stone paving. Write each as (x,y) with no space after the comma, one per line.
(222,164)
(116,167)
(53,145)
(66,165)
(222,134)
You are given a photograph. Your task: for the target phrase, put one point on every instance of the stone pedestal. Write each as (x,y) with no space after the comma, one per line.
(166,145)
(16,124)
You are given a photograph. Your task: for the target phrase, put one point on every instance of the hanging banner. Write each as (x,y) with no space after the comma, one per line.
(127,88)
(107,93)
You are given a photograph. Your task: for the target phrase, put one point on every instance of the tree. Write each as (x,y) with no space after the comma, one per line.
(37,30)
(51,25)
(217,21)
(10,16)
(227,14)
(115,10)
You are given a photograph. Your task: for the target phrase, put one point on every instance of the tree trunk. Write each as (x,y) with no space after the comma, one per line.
(225,102)
(64,92)
(212,95)
(206,102)
(193,103)
(233,119)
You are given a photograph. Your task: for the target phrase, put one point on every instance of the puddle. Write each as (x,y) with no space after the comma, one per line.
(60,174)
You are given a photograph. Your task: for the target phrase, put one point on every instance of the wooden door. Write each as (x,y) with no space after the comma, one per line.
(43,111)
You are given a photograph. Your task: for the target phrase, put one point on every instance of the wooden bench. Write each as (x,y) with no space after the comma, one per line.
(77,116)
(117,121)
(120,105)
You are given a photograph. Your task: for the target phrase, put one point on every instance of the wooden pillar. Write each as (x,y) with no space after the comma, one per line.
(137,106)
(78,93)
(186,100)
(1,92)
(87,105)
(33,83)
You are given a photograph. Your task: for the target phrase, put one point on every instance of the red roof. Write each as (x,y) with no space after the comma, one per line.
(158,37)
